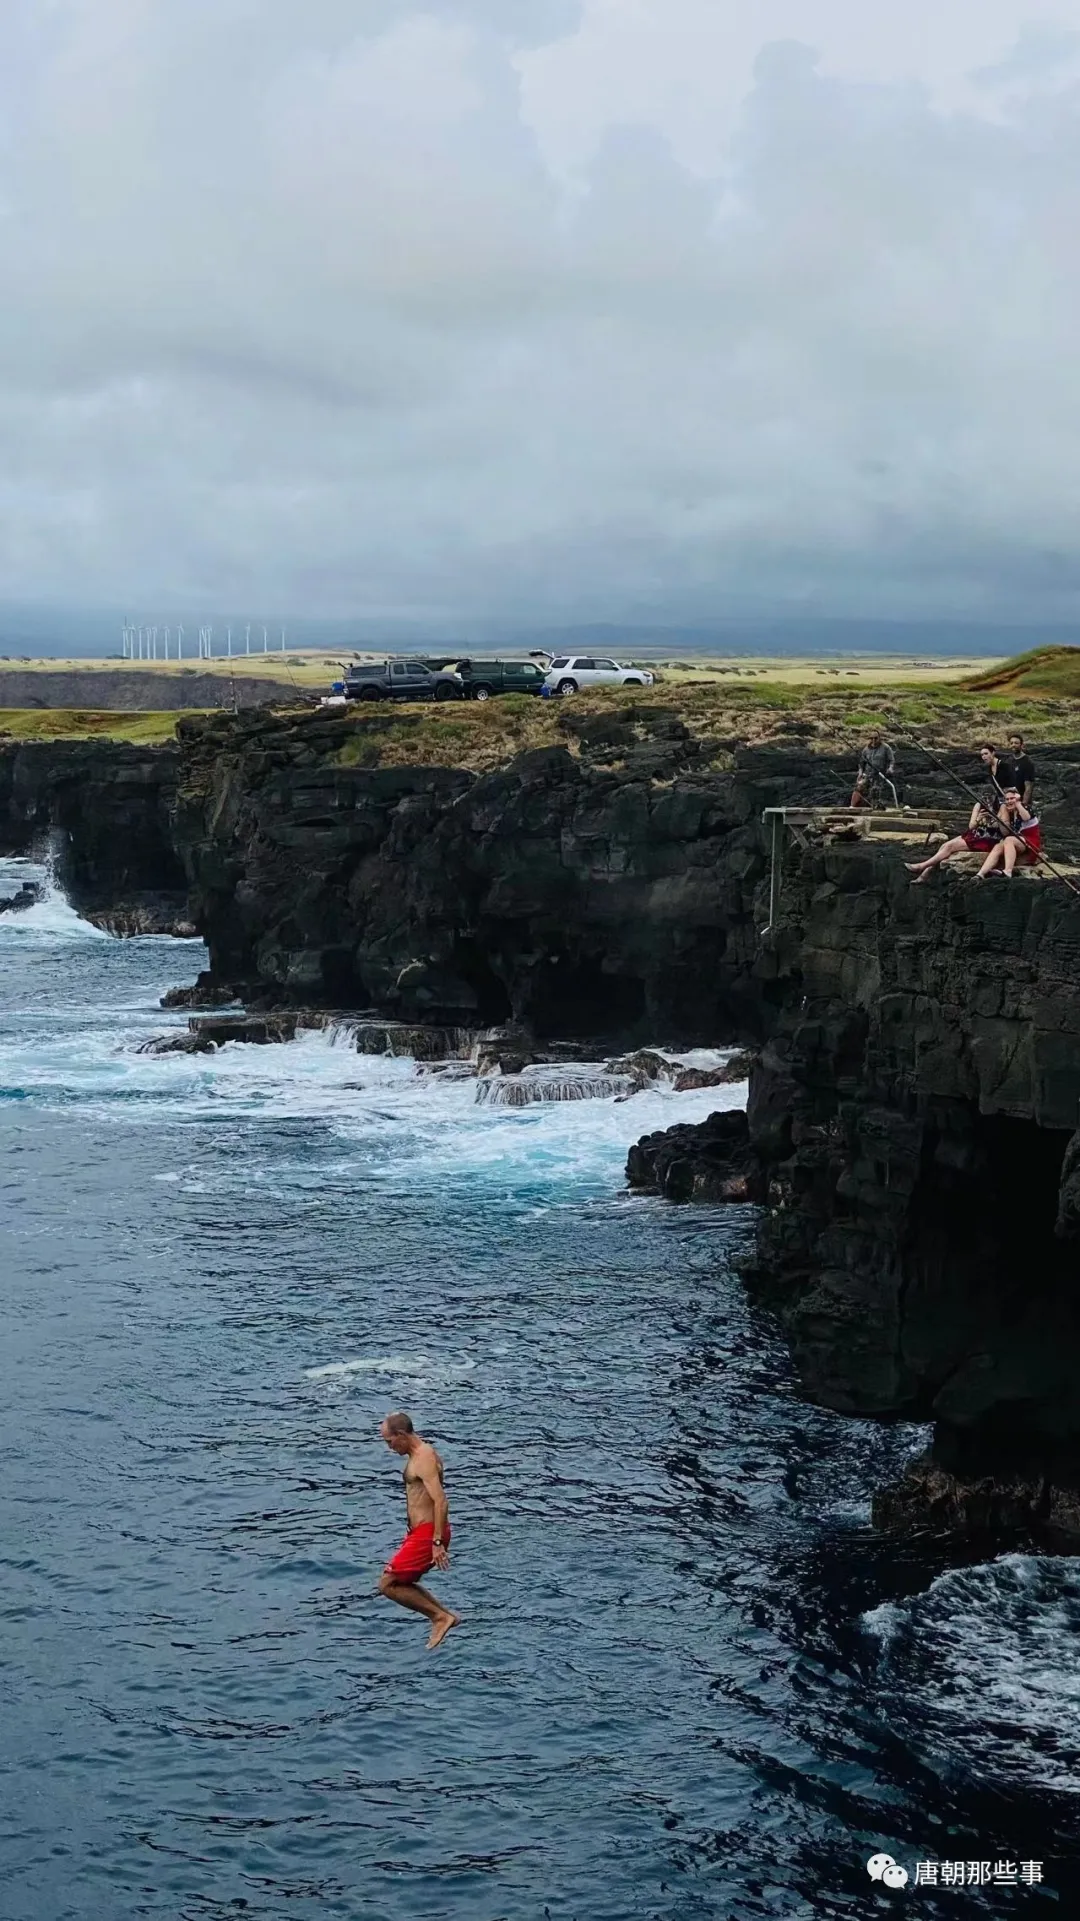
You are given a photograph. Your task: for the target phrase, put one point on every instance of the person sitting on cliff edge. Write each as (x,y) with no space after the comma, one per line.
(1020,838)
(982,835)
(1001,769)
(877,764)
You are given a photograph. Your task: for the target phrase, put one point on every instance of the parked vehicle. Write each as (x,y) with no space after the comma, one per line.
(482,678)
(401,680)
(568,672)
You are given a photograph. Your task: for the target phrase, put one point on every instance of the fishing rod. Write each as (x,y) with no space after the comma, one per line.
(979,802)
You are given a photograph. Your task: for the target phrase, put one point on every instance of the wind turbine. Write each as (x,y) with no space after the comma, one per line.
(179,643)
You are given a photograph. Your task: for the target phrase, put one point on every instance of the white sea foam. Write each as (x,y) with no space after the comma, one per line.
(885,1621)
(417,1370)
(980,1669)
(393,1122)
(52,920)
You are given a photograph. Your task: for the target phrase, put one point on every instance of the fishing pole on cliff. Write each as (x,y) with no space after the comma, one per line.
(952,775)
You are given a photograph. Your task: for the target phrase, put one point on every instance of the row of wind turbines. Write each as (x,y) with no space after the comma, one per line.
(142,643)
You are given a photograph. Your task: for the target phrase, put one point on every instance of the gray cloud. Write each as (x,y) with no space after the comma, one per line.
(327,308)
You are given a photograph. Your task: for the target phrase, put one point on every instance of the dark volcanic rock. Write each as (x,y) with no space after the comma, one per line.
(915,1111)
(102,690)
(204,992)
(933,1497)
(708,1161)
(149,914)
(108,812)
(559,893)
(29,894)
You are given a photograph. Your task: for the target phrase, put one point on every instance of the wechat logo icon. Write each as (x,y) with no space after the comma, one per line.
(882,1867)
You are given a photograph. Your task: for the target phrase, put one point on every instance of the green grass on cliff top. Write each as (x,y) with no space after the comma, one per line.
(1045,671)
(71,723)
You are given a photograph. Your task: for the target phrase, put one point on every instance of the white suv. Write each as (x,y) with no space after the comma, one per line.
(568,672)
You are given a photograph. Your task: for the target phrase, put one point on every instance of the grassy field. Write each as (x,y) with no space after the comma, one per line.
(141,729)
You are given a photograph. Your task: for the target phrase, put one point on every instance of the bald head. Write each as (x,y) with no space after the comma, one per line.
(398,1432)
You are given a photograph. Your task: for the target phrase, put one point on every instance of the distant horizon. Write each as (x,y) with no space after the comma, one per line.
(63,634)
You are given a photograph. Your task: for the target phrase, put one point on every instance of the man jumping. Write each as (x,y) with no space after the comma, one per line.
(427,1543)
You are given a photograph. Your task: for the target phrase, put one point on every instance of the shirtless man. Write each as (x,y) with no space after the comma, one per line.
(427,1543)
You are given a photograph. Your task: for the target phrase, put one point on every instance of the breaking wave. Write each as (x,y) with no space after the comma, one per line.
(981,1670)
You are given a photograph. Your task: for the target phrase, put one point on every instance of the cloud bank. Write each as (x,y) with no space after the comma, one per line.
(541,309)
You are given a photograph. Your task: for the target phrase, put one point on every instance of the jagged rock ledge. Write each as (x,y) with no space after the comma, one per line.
(709,1160)
(509,1070)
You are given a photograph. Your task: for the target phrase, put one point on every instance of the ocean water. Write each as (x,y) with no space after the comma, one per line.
(689,1681)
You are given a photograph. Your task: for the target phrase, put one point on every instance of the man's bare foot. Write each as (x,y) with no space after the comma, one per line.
(442,1628)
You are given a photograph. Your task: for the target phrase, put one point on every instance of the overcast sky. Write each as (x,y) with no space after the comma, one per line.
(553,309)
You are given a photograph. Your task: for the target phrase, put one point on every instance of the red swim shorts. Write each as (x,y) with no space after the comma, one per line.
(979,843)
(416,1554)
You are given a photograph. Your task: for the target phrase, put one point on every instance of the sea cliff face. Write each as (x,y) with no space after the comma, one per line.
(107,812)
(915,1112)
(607,890)
(912,1128)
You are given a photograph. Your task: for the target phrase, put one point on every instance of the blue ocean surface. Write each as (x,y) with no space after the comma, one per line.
(690,1682)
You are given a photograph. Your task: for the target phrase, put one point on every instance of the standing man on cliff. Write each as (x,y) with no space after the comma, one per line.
(877,765)
(427,1542)
(1024,768)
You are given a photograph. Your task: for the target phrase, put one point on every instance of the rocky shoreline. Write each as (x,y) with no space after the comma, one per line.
(911,1138)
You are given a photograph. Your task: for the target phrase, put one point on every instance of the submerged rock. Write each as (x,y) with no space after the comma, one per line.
(552,1084)
(417,1043)
(29,894)
(177,1044)
(648,1066)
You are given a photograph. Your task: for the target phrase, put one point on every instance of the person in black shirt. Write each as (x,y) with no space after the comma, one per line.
(1024,768)
(1000,768)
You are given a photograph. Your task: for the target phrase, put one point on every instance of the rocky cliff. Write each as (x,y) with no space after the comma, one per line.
(915,1113)
(606,887)
(107,811)
(914,1109)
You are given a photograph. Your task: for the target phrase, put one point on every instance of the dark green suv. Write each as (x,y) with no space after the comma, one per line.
(482,678)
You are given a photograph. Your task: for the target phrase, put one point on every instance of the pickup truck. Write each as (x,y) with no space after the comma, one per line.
(482,678)
(401,680)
